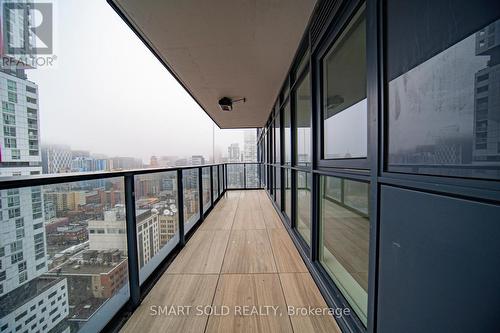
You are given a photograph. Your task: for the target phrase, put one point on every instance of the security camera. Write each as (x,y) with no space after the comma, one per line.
(226,103)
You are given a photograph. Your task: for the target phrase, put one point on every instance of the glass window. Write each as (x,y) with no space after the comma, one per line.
(277,188)
(444,98)
(10,143)
(303,119)
(288,192)
(12,97)
(11,85)
(8,107)
(277,139)
(344,93)
(269,143)
(287,133)
(16,154)
(207,189)
(157,220)
(344,238)
(191,198)
(303,199)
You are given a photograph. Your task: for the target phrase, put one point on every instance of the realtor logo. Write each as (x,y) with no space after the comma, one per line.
(27,34)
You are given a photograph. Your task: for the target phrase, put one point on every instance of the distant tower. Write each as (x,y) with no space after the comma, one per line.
(153,162)
(486,149)
(250,146)
(234,152)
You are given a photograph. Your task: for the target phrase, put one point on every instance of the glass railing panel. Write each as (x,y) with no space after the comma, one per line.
(215,182)
(252,175)
(63,254)
(207,188)
(191,198)
(157,219)
(235,176)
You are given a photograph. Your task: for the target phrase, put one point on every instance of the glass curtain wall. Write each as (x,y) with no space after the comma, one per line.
(338,65)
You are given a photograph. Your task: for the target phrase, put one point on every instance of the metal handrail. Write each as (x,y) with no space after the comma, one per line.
(128,178)
(51,179)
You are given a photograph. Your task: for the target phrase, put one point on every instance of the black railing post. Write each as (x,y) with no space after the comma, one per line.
(132,253)
(218,181)
(180,207)
(225,177)
(245,176)
(200,189)
(211,186)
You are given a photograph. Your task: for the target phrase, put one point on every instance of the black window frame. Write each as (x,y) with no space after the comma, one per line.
(341,22)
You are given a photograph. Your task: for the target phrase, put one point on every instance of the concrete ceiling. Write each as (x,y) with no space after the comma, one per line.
(219,48)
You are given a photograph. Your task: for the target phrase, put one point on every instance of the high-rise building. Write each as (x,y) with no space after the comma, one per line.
(19,135)
(197,160)
(181,162)
(153,162)
(148,235)
(486,148)
(65,201)
(88,164)
(167,221)
(108,233)
(56,159)
(233,152)
(125,163)
(28,299)
(250,146)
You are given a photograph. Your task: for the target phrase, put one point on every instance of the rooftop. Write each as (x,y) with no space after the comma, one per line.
(25,293)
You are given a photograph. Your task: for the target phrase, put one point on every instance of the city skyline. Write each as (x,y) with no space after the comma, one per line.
(99,117)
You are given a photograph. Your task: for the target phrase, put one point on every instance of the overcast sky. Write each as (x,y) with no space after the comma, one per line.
(110,95)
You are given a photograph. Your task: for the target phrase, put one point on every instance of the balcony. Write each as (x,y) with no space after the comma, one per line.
(117,244)
(375,203)
(240,259)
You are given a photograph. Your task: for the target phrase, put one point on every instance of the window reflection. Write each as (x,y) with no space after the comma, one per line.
(303,116)
(344,104)
(303,194)
(277,139)
(287,124)
(444,114)
(277,183)
(288,193)
(344,238)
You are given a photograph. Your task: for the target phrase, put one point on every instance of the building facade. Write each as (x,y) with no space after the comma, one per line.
(56,159)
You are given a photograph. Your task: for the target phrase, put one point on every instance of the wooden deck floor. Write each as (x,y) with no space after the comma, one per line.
(240,264)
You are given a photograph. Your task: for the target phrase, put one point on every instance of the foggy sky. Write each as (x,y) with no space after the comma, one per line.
(108,93)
